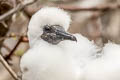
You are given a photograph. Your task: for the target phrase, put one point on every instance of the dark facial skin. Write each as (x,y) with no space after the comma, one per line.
(54,34)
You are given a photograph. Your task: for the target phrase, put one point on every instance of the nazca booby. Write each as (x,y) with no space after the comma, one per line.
(55,54)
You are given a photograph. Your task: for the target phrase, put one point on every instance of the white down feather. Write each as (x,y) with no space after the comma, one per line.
(67,60)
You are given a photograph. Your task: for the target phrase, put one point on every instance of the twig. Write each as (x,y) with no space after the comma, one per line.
(17,8)
(31,11)
(13,50)
(5,64)
(95,8)
(97,29)
(21,38)
(12,35)
(5,25)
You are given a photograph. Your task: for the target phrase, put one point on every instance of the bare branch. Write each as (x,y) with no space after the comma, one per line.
(13,50)
(5,64)
(96,8)
(17,8)
(31,11)
(12,35)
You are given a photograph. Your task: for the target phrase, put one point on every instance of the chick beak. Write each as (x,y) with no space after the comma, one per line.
(65,36)
(55,34)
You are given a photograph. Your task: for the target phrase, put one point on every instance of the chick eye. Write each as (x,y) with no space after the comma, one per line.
(47,28)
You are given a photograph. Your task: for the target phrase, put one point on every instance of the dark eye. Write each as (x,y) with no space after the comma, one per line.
(47,28)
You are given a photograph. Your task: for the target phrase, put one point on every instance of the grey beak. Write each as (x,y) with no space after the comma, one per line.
(66,36)
(54,34)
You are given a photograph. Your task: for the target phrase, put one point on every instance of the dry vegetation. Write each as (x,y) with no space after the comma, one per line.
(99,20)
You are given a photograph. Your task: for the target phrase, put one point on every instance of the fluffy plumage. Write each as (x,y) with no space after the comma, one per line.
(67,60)
(106,67)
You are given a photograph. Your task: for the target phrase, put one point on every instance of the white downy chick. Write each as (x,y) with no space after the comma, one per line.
(48,57)
(54,53)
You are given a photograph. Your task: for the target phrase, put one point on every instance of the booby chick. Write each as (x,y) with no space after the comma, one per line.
(55,54)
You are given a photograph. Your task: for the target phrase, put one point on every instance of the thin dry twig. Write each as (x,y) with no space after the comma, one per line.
(12,35)
(20,37)
(101,8)
(97,27)
(13,50)
(95,8)
(17,8)
(5,64)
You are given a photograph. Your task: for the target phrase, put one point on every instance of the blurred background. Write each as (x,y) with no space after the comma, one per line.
(98,20)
